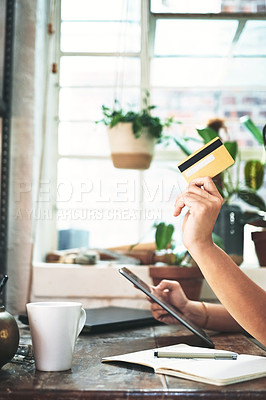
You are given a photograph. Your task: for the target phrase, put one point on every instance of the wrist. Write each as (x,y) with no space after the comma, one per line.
(206,315)
(197,312)
(198,248)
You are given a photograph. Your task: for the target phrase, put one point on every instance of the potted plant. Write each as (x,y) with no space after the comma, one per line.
(133,135)
(165,262)
(232,218)
(257,169)
(172,265)
(259,239)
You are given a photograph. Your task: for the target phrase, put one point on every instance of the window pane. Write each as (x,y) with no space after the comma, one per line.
(186,6)
(94,196)
(85,104)
(245,6)
(77,138)
(207,6)
(194,37)
(208,72)
(246,72)
(195,107)
(101,10)
(253,39)
(100,37)
(191,77)
(162,182)
(99,71)
(188,72)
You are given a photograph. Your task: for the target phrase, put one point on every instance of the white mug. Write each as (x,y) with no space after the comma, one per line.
(54,328)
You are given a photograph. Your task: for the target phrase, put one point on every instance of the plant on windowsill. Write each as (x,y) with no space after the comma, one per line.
(259,239)
(173,265)
(133,135)
(232,218)
(165,262)
(257,169)
(247,192)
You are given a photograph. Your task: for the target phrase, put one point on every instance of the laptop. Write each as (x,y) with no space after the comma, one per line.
(108,319)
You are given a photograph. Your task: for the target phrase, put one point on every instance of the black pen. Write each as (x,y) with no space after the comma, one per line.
(3,282)
(176,354)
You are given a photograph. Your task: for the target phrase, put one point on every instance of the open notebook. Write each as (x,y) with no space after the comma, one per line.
(213,371)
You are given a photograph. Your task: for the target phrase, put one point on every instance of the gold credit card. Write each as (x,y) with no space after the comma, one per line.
(209,160)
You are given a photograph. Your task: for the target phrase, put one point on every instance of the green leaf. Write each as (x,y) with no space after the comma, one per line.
(183,146)
(252,198)
(192,139)
(251,217)
(115,120)
(254,174)
(249,124)
(163,235)
(232,147)
(136,126)
(207,134)
(218,241)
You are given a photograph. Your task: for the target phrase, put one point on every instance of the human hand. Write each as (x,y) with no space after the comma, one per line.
(172,293)
(204,203)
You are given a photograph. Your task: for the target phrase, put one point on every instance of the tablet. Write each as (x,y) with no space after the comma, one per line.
(168,307)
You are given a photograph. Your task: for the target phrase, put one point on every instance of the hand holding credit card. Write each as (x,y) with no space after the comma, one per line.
(209,160)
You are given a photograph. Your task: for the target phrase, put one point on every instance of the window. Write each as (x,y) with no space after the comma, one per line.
(203,59)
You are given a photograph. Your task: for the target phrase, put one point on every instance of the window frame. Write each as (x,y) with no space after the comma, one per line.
(148,23)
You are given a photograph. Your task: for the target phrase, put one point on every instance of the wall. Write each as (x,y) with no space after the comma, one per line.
(24,147)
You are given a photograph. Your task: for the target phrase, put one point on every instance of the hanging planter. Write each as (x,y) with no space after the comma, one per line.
(133,135)
(130,152)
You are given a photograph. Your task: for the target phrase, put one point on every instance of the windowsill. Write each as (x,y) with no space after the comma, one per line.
(94,286)
(102,285)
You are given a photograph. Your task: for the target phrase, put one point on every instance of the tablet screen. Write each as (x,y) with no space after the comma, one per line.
(168,307)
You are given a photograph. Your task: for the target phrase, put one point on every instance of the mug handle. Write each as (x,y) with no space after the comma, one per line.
(82,321)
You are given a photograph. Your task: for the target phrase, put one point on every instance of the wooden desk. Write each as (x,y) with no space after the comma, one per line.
(91,379)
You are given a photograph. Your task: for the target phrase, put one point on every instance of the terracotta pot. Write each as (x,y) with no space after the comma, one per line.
(190,278)
(259,239)
(127,151)
(146,257)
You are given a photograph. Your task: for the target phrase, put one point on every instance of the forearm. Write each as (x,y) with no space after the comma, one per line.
(211,316)
(243,299)
(218,318)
